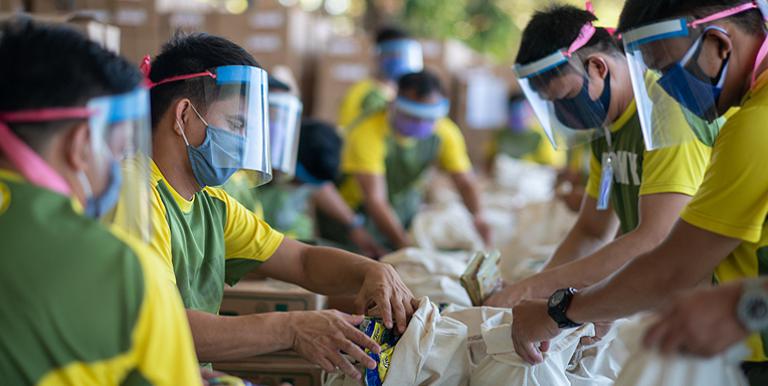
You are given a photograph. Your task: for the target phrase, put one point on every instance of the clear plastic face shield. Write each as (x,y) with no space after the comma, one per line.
(236,116)
(570,106)
(120,139)
(674,73)
(417,120)
(399,57)
(284,130)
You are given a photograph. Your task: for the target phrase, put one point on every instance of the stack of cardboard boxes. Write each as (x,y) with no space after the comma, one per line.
(259,296)
(139,23)
(345,61)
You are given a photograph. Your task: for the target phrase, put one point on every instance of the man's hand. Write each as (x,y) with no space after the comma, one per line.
(484,230)
(532,328)
(508,296)
(702,322)
(384,295)
(366,243)
(321,337)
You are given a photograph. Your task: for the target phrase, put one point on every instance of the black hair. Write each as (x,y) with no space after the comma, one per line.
(422,83)
(46,65)
(515,97)
(389,33)
(278,85)
(556,28)
(637,13)
(320,149)
(189,54)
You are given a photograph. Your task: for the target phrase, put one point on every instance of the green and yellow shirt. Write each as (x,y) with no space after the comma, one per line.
(639,172)
(733,198)
(207,241)
(80,305)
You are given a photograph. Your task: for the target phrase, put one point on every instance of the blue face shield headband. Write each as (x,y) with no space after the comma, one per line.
(400,57)
(417,120)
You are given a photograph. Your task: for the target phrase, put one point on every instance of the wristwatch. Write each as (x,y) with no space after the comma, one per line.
(752,309)
(558,305)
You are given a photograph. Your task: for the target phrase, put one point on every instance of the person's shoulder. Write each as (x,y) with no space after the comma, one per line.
(445,127)
(377,125)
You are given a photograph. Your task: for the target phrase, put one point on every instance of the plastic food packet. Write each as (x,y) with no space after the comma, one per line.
(482,276)
(386,339)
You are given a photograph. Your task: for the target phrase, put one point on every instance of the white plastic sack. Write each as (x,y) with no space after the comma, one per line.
(446,227)
(474,318)
(650,368)
(432,351)
(434,274)
(599,364)
(504,367)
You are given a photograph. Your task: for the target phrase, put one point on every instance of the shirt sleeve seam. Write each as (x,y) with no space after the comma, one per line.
(747,233)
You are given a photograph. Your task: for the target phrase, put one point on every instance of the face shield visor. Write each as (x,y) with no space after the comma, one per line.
(399,57)
(237,127)
(673,81)
(284,129)
(417,120)
(120,138)
(570,109)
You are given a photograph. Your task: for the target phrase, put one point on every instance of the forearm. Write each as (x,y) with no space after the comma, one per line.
(219,338)
(577,243)
(386,221)
(333,272)
(329,201)
(469,194)
(591,269)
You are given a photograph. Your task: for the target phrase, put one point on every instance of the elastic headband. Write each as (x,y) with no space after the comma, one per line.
(432,111)
(146,67)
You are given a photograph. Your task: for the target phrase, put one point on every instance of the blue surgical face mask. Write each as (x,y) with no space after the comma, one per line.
(581,112)
(698,96)
(217,158)
(98,206)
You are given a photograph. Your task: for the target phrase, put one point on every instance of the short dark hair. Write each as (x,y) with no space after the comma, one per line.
(320,149)
(189,54)
(46,65)
(422,83)
(637,13)
(556,28)
(389,33)
(515,97)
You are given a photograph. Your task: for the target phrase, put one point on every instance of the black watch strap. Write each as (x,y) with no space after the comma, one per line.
(557,306)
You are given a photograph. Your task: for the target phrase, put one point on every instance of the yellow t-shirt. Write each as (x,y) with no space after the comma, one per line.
(733,199)
(365,151)
(639,172)
(352,105)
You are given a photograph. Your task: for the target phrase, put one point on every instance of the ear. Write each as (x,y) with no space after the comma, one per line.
(77,143)
(597,66)
(716,47)
(180,114)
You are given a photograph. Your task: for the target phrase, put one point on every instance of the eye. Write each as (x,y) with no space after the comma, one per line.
(236,124)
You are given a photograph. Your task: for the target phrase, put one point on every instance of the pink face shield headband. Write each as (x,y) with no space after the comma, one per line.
(26,161)
(146,67)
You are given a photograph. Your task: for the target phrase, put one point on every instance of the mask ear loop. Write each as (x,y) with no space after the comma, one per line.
(184,136)
(85,184)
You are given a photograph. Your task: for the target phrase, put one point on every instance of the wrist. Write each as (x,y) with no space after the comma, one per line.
(558,306)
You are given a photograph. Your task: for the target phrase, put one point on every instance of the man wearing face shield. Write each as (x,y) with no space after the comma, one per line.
(707,56)
(633,194)
(209,120)
(82,302)
(523,138)
(397,54)
(387,156)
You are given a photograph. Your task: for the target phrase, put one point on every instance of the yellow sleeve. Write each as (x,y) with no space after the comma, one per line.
(732,198)
(245,235)
(547,155)
(675,169)
(453,157)
(162,338)
(364,148)
(595,173)
(352,105)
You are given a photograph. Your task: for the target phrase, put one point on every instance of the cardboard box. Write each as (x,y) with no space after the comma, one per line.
(274,370)
(11,6)
(107,36)
(185,22)
(254,297)
(139,23)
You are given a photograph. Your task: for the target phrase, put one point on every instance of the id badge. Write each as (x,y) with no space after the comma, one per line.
(606,184)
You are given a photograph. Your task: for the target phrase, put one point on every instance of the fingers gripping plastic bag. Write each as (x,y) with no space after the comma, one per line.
(650,368)
(503,366)
(432,351)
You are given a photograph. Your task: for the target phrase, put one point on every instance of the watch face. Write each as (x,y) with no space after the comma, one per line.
(757,309)
(556,298)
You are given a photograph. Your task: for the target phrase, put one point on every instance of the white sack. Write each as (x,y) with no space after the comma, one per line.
(446,227)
